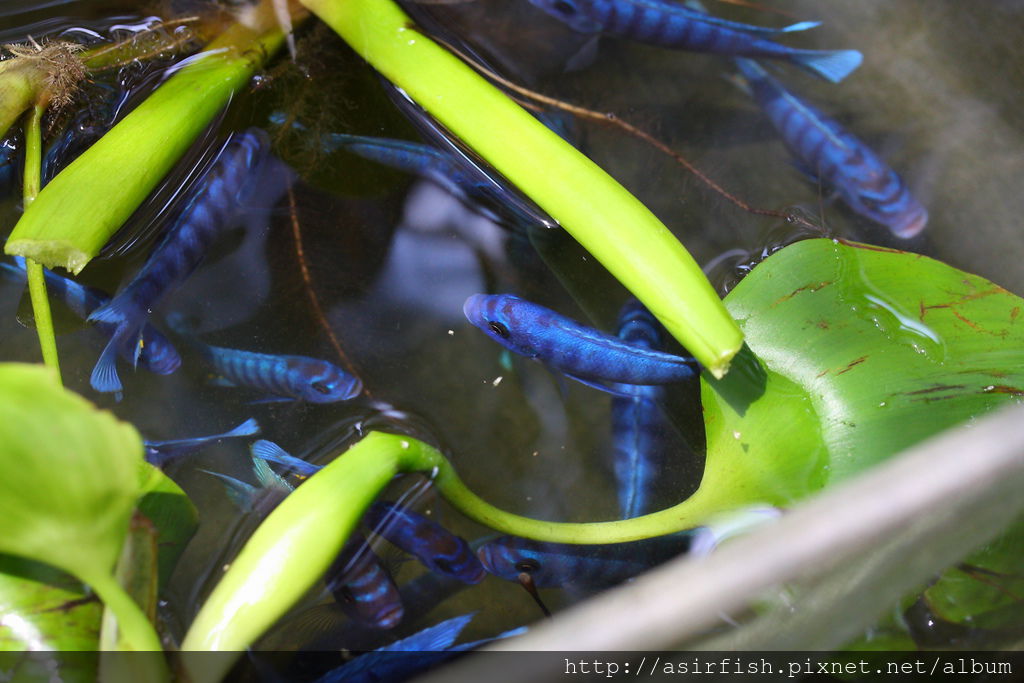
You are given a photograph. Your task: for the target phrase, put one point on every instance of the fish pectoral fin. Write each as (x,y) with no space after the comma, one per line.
(273,399)
(607,388)
(221,382)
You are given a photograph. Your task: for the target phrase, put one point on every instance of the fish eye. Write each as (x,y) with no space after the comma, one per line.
(498,329)
(321,387)
(444,565)
(563,7)
(527,566)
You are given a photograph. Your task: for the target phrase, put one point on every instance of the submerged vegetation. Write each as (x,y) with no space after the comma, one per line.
(828,357)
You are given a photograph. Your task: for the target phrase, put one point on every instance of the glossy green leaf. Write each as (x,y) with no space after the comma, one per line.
(860,352)
(43,608)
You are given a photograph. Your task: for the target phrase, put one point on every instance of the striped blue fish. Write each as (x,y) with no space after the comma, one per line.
(579,352)
(295,377)
(438,549)
(673,25)
(206,213)
(639,427)
(363,588)
(153,352)
(159,453)
(552,565)
(826,150)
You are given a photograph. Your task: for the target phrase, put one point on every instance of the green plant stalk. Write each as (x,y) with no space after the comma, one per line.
(135,630)
(36,278)
(19,89)
(599,213)
(80,209)
(293,547)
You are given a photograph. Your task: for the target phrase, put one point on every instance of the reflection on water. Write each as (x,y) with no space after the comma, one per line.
(389,259)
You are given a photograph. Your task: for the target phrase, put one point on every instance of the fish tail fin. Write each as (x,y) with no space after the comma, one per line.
(269,451)
(104,377)
(832,65)
(248,428)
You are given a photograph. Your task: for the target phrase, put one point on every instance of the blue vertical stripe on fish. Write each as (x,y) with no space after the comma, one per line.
(154,352)
(298,377)
(828,151)
(587,566)
(206,213)
(434,546)
(578,351)
(639,427)
(669,24)
(363,588)
(159,453)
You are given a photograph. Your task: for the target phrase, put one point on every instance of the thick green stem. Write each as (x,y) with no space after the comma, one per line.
(36,278)
(297,542)
(599,213)
(78,211)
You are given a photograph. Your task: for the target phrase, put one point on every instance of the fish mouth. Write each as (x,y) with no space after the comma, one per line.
(471,309)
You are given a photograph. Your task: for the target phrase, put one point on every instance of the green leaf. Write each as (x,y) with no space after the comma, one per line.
(69,482)
(68,474)
(855,353)
(44,608)
(172,513)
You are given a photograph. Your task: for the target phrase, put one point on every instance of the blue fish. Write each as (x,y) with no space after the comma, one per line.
(159,453)
(411,655)
(580,352)
(363,588)
(673,25)
(438,549)
(271,452)
(586,566)
(294,377)
(206,213)
(152,351)
(639,427)
(826,150)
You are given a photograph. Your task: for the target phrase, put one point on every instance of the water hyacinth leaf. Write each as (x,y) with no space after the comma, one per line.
(69,481)
(44,608)
(79,210)
(68,474)
(857,353)
(598,212)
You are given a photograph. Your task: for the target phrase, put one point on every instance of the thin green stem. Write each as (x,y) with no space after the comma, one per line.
(600,214)
(36,278)
(135,630)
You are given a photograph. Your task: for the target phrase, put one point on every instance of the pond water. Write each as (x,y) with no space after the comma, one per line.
(389,259)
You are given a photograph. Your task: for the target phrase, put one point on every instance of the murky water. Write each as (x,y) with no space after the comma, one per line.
(390,259)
